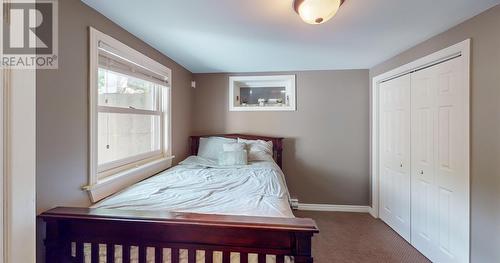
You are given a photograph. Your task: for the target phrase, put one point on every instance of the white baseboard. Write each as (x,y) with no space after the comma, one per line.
(373,212)
(334,208)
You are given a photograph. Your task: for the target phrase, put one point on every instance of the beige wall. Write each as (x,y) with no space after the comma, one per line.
(326,145)
(485,123)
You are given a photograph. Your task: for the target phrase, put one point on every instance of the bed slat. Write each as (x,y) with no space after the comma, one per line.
(94,253)
(226,257)
(79,252)
(67,249)
(158,255)
(175,255)
(110,253)
(262,258)
(142,254)
(192,255)
(209,256)
(243,257)
(126,253)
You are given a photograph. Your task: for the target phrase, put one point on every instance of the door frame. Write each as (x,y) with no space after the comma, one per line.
(2,171)
(17,163)
(18,123)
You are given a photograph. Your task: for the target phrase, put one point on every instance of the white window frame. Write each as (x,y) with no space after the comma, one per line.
(114,176)
(287,81)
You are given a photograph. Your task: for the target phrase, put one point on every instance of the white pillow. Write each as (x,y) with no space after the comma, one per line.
(258,150)
(235,146)
(211,147)
(233,158)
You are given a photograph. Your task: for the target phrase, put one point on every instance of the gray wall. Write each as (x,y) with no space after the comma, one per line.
(485,123)
(326,145)
(62,107)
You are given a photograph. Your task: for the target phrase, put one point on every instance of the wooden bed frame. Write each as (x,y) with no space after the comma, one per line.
(69,229)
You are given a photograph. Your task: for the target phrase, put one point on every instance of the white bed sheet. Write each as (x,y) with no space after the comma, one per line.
(199,185)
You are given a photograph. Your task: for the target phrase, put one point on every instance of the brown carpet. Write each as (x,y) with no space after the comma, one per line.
(358,237)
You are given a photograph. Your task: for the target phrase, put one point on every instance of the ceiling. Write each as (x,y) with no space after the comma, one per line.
(266,35)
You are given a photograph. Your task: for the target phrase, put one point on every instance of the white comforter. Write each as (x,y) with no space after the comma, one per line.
(199,185)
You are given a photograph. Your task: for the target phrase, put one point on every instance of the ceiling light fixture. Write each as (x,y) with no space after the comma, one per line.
(316,11)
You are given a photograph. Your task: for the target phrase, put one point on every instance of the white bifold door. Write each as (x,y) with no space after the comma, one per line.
(424,161)
(395,154)
(440,163)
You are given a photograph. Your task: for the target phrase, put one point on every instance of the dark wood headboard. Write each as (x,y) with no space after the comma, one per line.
(277,143)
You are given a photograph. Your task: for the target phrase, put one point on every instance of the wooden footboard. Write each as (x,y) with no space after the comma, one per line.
(148,235)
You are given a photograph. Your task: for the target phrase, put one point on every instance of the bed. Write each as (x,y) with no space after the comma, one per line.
(194,212)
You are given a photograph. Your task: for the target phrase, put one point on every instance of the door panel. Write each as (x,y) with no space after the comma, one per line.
(440,201)
(395,154)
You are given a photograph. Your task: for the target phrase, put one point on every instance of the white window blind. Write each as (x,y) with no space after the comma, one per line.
(110,58)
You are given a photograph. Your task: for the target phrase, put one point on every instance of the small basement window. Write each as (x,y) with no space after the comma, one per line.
(262,93)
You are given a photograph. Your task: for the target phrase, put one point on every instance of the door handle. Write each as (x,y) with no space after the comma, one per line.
(421,172)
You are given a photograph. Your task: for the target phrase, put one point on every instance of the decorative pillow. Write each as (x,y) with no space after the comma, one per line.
(233,158)
(211,147)
(235,146)
(258,150)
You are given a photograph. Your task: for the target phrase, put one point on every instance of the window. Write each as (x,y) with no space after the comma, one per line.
(129,116)
(262,93)
(129,123)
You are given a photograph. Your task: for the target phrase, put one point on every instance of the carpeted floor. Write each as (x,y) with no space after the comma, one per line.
(358,237)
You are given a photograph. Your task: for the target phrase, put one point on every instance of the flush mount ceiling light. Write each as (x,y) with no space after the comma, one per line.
(316,11)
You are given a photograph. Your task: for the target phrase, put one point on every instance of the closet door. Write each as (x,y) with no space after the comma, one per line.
(439,176)
(395,154)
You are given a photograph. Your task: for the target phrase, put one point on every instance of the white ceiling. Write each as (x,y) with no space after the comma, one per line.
(266,35)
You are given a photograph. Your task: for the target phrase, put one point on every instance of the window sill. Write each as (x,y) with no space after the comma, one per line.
(262,108)
(114,183)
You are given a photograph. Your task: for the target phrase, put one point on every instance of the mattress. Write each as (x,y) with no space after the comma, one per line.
(199,185)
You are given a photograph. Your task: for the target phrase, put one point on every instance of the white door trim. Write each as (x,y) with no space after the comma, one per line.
(463,49)
(2,171)
(19,163)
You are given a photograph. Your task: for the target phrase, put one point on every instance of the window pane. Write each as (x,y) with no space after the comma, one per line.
(118,90)
(126,135)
